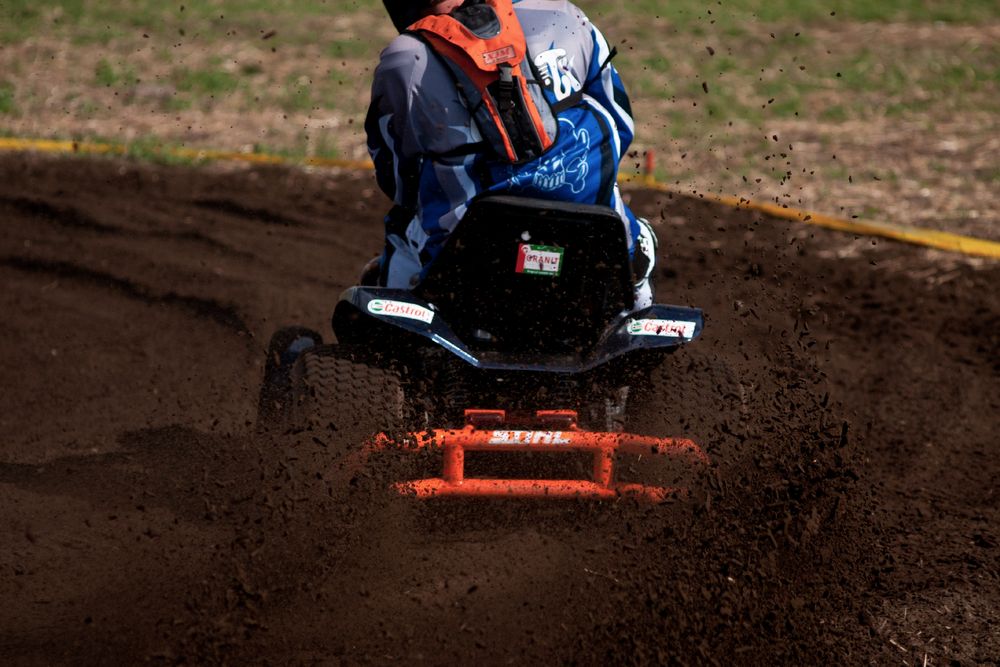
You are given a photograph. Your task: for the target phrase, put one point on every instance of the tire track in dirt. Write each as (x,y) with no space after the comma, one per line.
(79,219)
(239,210)
(224,315)
(63,216)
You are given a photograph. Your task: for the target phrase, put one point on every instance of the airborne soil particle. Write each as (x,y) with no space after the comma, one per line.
(848,399)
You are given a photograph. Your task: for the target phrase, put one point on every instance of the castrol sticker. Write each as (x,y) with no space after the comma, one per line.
(539,260)
(391,308)
(668,328)
(500,55)
(529,438)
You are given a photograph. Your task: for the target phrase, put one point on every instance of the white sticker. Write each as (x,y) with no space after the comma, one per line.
(529,438)
(539,260)
(501,55)
(668,328)
(400,309)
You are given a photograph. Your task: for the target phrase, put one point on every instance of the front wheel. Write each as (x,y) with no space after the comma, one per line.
(334,392)
(286,345)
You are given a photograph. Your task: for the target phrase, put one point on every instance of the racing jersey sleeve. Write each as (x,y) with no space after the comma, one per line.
(605,86)
(394,147)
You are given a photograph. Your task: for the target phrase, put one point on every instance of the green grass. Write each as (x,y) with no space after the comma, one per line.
(156,150)
(7,105)
(836,113)
(791,76)
(153,149)
(297,94)
(109,76)
(87,109)
(105,74)
(178,103)
(303,146)
(100,22)
(207,81)
(730,14)
(355,47)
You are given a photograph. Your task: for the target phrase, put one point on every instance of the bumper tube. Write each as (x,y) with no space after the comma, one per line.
(486,431)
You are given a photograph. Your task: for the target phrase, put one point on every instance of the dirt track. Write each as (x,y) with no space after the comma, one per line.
(850,400)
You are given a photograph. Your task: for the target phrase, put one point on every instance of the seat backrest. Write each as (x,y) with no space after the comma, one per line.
(536,275)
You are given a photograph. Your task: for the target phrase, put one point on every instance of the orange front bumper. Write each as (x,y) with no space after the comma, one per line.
(485,432)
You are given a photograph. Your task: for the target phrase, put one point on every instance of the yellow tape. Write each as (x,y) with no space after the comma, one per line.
(90,148)
(915,235)
(51,146)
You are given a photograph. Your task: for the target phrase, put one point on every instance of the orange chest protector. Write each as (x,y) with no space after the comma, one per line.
(484,46)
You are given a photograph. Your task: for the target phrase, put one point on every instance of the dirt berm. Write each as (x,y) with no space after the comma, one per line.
(848,391)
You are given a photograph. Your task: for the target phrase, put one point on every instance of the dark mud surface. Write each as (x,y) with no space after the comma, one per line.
(850,402)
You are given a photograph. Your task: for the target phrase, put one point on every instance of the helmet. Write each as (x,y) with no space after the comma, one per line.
(405,13)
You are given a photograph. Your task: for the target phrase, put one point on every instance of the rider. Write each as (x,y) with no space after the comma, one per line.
(557,130)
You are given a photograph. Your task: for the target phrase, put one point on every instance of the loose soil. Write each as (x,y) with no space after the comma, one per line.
(846,389)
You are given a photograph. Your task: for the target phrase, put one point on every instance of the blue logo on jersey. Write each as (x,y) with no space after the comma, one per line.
(566,169)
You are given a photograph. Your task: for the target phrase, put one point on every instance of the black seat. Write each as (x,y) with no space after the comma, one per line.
(559,300)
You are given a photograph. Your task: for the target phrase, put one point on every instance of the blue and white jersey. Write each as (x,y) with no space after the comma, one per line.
(419,134)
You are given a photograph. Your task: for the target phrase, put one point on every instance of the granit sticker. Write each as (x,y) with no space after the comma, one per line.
(400,309)
(539,260)
(668,328)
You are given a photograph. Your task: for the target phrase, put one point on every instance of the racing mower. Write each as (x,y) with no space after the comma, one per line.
(521,337)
